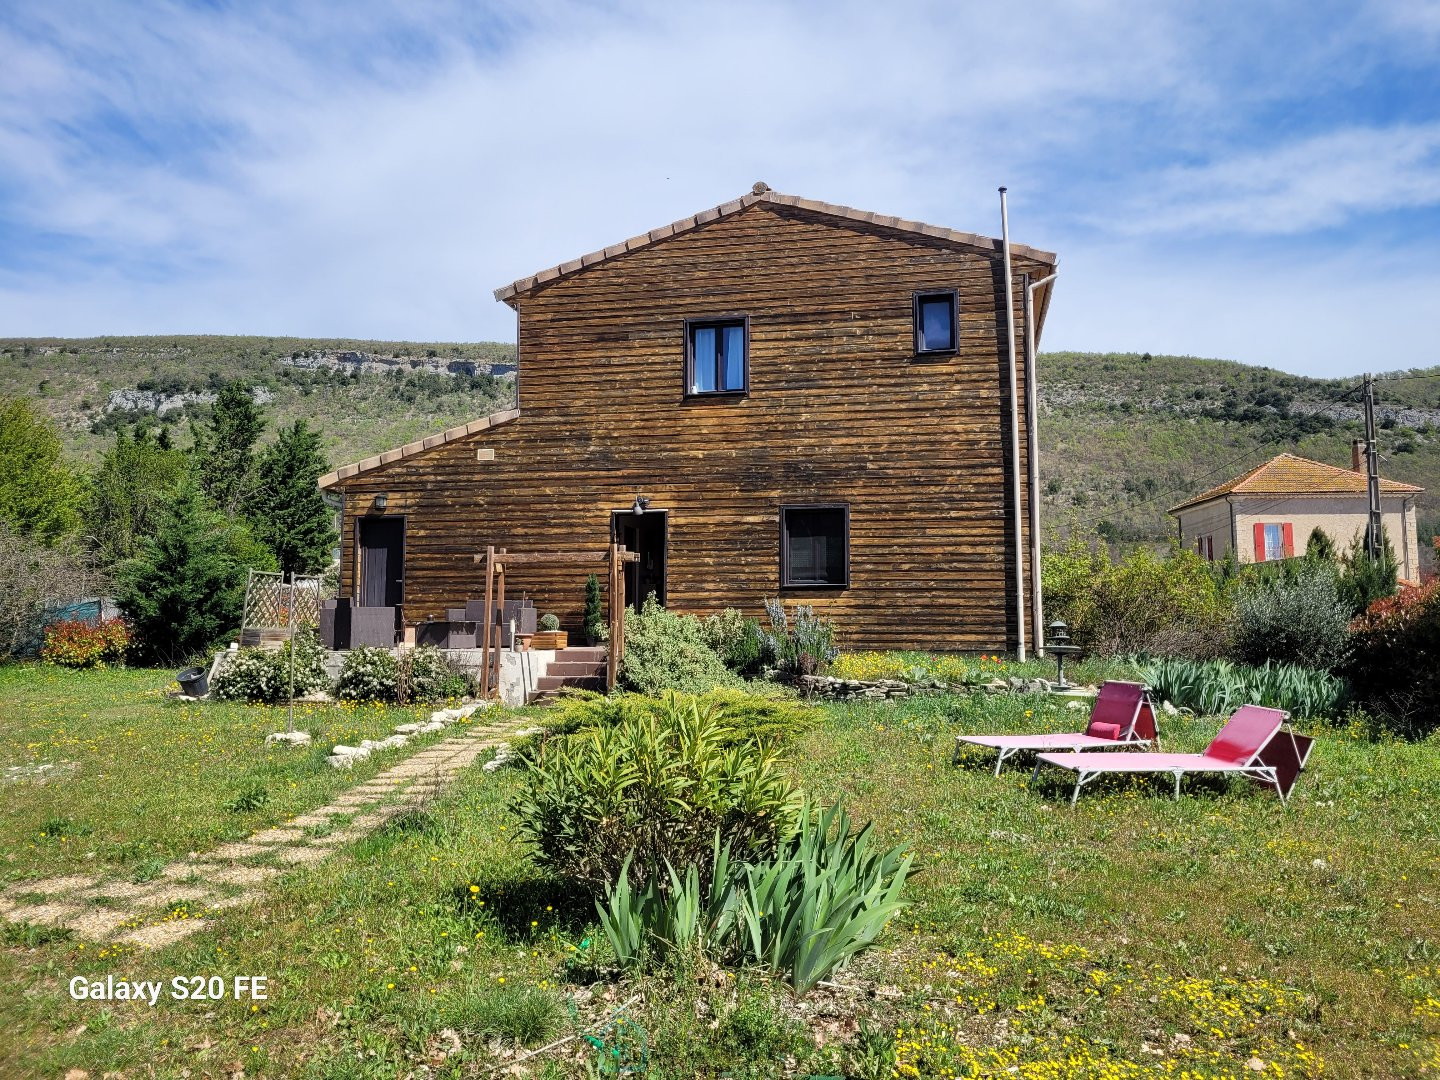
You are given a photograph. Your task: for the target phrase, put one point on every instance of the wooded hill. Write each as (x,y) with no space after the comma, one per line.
(1123,436)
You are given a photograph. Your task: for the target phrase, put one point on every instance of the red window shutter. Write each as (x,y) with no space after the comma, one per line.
(1259,542)
(1289,530)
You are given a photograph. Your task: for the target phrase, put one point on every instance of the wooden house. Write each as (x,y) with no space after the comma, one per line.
(773,398)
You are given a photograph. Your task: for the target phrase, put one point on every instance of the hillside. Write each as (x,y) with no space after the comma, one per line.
(1123,436)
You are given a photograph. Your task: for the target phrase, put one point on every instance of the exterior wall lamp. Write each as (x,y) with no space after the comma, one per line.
(641,504)
(381,501)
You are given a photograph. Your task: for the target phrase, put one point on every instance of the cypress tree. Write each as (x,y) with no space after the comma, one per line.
(225,447)
(287,512)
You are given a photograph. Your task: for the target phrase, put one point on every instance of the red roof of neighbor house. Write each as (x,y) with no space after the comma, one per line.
(762,193)
(1288,474)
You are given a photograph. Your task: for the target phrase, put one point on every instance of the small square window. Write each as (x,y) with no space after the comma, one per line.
(814,546)
(717,356)
(935,322)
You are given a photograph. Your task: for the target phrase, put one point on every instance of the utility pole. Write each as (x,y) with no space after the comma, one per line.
(1374,543)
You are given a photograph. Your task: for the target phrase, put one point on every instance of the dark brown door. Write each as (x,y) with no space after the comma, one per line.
(645,534)
(382,562)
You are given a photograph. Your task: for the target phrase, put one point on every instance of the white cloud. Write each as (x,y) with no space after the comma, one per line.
(374,171)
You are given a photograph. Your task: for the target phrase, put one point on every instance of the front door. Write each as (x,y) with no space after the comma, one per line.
(645,534)
(382,561)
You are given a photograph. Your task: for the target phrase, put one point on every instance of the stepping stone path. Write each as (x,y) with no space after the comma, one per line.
(172,905)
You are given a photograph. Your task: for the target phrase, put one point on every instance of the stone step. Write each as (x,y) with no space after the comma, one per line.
(579,682)
(595,655)
(576,667)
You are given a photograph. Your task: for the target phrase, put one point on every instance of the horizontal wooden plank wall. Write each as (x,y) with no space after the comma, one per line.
(839,410)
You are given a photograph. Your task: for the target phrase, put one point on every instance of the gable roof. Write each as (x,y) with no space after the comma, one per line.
(1288,474)
(345,472)
(761,193)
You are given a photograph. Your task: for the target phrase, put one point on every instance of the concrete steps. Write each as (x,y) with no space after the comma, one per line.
(577,669)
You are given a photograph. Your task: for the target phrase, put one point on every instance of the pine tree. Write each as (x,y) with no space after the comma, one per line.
(40,496)
(225,447)
(186,588)
(287,511)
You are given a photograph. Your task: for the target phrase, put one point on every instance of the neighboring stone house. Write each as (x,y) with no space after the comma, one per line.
(1270,512)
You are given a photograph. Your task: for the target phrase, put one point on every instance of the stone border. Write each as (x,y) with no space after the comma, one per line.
(344,757)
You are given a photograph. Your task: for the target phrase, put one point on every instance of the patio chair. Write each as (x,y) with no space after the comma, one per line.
(1254,742)
(1123,716)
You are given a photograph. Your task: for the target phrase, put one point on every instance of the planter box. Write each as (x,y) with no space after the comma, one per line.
(550,639)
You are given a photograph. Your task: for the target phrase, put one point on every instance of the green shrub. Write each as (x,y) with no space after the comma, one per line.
(1295,618)
(745,714)
(654,788)
(369,674)
(1143,604)
(425,676)
(549,623)
(1219,687)
(804,646)
(738,640)
(263,675)
(1362,581)
(1395,667)
(417,676)
(668,651)
(802,911)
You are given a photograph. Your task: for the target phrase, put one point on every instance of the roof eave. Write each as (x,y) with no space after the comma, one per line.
(509,293)
(410,449)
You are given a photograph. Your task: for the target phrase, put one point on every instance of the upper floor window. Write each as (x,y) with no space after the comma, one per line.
(814,545)
(717,356)
(935,322)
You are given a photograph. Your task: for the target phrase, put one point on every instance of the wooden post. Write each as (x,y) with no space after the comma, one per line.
(489,618)
(610,664)
(619,648)
(500,607)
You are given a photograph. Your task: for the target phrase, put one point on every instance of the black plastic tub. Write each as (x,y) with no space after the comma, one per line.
(194,681)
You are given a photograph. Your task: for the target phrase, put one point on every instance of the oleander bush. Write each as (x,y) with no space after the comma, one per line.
(79,644)
(653,789)
(1218,687)
(665,650)
(1395,665)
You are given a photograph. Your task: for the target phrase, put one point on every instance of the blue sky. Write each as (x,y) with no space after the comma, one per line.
(1247,180)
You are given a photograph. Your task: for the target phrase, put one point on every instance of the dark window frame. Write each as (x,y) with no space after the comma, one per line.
(717,321)
(921,295)
(785,582)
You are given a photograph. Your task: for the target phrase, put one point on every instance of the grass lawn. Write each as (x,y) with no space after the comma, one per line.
(147,778)
(1221,935)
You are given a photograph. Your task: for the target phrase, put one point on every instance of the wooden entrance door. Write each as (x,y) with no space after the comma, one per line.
(382,561)
(647,536)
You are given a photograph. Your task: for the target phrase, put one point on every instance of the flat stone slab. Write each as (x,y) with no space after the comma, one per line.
(99,924)
(278,835)
(162,934)
(44,914)
(301,856)
(238,850)
(73,883)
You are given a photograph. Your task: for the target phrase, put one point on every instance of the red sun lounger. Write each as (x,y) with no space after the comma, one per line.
(1123,716)
(1253,743)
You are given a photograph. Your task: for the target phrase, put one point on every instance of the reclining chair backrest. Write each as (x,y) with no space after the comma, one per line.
(1245,734)
(1117,713)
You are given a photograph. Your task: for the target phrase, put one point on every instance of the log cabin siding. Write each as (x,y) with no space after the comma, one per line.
(839,410)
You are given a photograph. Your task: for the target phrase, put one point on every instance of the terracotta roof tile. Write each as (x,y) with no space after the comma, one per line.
(734,206)
(1288,474)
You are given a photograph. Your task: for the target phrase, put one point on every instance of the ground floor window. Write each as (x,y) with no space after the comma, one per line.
(1205,547)
(1274,541)
(815,545)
